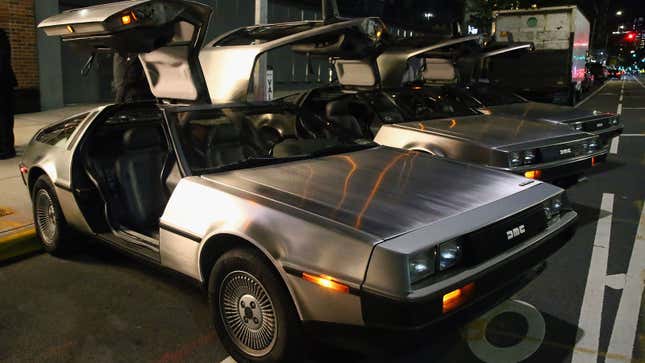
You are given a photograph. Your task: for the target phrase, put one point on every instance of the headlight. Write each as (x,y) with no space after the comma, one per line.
(614,121)
(519,158)
(591,145)
(553,208)
(529,157)
(421,265)
(515,159)
(449,255)
(577,126)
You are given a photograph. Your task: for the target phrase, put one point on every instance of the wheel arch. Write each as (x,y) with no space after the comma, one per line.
(218,244)
(34,173)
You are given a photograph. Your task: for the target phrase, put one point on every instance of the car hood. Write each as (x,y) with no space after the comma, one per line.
(383,192)
(499,131)
(548,112)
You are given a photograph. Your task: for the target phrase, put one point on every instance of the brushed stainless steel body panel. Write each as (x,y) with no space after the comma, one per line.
(548,112)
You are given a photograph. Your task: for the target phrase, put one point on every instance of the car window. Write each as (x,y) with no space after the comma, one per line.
(424,103)
(59,134)
(493,96)
(226,138)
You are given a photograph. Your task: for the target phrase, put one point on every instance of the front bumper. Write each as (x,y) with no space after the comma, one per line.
(560,169)
(494,281)
(609,134)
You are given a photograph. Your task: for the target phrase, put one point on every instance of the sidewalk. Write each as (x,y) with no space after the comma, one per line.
(16,222)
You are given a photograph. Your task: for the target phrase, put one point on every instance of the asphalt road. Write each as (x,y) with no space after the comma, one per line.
(101,306)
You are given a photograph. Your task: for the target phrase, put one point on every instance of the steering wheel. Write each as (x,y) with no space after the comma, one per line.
(312,127)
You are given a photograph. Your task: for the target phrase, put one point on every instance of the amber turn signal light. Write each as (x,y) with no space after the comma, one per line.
(456,298)
(326,282)
(533,174)
(126,19)
(594,161)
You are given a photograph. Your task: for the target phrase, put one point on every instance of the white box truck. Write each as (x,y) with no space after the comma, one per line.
(556,69)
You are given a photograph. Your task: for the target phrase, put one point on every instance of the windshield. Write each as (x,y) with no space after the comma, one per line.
(490,96)
(235,137)
(426,103)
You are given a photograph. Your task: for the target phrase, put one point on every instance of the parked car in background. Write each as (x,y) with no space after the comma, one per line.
(598,71)
(445,123)
(615,73)
(282,229)
(493,100)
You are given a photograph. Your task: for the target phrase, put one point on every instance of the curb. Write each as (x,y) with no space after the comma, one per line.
(18,242)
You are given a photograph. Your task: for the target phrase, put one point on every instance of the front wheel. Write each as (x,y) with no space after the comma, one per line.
(51,228)
(252,311)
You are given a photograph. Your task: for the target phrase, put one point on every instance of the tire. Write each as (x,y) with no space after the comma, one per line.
(51,227)
(247,296)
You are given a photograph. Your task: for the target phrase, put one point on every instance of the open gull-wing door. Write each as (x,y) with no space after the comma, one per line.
(166,34)
(228,62)
(394,63)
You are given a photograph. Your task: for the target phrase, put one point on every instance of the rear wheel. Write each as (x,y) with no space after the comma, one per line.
(51,228)
(252,310)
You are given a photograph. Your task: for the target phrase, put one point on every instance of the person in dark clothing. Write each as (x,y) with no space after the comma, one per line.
(7,84)
(130,83)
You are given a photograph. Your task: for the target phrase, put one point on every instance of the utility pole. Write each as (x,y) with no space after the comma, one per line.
(260,71)
(330,10)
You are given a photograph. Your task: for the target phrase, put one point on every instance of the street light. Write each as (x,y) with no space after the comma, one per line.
(619,13)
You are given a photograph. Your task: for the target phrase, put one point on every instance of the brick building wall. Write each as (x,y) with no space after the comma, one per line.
(17,19)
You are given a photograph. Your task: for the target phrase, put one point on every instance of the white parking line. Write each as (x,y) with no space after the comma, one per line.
(591,309)
(633,108)
(623,336)
(620,109)
(632,135)
(613,149)
(592,94)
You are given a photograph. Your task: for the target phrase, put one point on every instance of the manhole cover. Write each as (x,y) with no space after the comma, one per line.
(5,212)
(507,329)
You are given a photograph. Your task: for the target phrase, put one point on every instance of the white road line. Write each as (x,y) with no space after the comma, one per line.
(639,82)
(623,336)
(592,94)
(613,149)
(632,135)
(591,309)
(620,109)
(633,108)
(621,97)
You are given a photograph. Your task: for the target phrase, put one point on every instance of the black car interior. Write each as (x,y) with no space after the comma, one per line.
(127,159)
(346,116)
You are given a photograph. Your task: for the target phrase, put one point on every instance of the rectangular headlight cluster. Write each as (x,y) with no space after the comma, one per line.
(553,208)
(519,158)
(591,146)
(440,258)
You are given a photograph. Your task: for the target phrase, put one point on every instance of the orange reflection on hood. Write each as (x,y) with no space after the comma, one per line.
(377,186)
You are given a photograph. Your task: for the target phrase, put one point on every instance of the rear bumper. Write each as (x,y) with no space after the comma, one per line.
(491,286)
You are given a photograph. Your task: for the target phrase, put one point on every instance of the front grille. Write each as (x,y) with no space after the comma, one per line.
(492,240)
(561,152)
(595,125)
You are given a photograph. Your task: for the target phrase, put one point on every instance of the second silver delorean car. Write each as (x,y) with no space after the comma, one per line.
(377,98)
(282,231)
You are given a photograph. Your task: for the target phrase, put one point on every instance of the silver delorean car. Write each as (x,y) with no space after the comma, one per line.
(374,100)
(281,231)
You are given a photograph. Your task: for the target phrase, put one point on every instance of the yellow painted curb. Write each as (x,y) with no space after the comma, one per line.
(18,243)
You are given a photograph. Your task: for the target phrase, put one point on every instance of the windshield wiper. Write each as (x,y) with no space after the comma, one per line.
(342,148)
(254,161)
